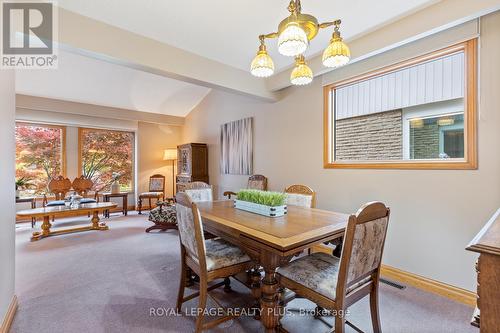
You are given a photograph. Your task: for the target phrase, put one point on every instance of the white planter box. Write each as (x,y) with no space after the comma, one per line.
(260,209)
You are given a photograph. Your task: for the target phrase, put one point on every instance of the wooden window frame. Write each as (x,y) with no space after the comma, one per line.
(469,162)
(63,140)
(80,144)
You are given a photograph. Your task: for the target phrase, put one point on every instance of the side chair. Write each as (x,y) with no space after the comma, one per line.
(199,191)
(335,284)
(210,259)
(255,182)
(300,195)
(82,185)
(156,191)
(58,186)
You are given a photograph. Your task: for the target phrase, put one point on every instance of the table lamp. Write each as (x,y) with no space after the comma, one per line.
(170,154)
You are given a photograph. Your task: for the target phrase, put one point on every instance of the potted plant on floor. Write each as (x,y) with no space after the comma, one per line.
(22,183)
(272,204)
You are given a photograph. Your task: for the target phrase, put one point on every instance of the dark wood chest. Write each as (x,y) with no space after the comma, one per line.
(192,164)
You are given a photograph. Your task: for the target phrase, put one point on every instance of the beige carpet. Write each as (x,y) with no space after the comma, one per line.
(116,280)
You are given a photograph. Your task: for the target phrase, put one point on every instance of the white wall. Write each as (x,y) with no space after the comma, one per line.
(435,213)
(7,189)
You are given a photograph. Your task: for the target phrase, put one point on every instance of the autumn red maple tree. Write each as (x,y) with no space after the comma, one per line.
(105,152)
(38,155)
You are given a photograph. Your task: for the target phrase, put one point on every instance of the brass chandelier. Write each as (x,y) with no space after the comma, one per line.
(294,34)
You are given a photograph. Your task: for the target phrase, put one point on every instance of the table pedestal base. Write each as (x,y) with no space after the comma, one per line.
(47,233)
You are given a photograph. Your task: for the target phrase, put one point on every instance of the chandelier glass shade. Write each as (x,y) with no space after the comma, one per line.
(294,35)
(292,41)
(262,65)
(337,53)
(301,73)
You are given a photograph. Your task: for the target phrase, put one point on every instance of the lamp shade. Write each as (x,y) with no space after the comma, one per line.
(292,41)
(262,65)
(301,74)
(170,154)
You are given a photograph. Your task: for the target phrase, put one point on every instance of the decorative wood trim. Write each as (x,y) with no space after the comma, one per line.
(470,128)
(454,293)
(63,140)
(9,316)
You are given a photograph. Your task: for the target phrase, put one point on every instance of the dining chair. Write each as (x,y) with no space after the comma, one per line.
(156,191)
(300,195)
(199,191)
(59,186)
(211,260)
(82,186)
(336,283)
(255,182)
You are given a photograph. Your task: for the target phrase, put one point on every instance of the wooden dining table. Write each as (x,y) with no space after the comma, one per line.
(271,242)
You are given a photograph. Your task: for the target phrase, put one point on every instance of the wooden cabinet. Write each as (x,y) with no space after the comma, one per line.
(487,244)
(192,164)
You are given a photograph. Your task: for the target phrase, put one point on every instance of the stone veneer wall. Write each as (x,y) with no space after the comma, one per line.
(424,142)
(373,137)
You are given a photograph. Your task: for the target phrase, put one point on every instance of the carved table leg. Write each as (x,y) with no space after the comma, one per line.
(269,301)
(95,222)
(45,229)
(255,279)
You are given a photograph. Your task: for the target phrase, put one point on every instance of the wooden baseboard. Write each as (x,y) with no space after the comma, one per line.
(454,293)
(9,316)
(436,287)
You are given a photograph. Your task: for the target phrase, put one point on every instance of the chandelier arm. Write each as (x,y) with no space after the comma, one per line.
(329,24)
(268,36)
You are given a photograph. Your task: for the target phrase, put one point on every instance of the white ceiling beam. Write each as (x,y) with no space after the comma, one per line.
(43,104)
(93,38)
(430,20)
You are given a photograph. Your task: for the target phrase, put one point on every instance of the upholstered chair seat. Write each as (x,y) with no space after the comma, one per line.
(152,194)
(319,272)
(55,203)
(222,254)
